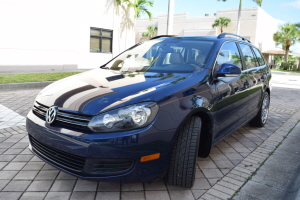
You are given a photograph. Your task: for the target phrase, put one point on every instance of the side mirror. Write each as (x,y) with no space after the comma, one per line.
(228,70)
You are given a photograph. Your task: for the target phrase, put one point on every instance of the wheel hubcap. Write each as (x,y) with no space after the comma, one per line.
(265,109)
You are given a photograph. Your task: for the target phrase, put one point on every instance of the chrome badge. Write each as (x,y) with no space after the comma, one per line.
(51,114)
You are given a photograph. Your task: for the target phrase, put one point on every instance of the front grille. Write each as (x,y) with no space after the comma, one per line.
(63,117)
(58,157)
(108,167)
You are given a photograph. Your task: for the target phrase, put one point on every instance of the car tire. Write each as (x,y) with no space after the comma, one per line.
(182,166)
(261,118)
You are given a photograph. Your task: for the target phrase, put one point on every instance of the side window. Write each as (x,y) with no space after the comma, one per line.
(229,53)
(249,58)
(259,57)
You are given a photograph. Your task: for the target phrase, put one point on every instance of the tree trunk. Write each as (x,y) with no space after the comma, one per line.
(221,29)
(239,19)
(286,56)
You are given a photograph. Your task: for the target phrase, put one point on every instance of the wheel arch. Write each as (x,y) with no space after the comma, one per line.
(206,135)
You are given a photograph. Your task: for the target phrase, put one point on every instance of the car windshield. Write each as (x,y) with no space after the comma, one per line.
(173,55)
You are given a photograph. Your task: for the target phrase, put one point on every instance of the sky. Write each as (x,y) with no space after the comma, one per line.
(285,11)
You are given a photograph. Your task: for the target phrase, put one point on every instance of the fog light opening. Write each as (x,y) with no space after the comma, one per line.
(150,157)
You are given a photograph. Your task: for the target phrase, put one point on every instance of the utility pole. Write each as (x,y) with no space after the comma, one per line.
(239,19)
(170,18)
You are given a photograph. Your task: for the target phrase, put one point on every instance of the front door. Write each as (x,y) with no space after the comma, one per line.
(230,106)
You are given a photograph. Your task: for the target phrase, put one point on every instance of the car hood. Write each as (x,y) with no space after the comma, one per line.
(100,90)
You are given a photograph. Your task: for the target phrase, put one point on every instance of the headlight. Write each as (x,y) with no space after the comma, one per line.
(126,118)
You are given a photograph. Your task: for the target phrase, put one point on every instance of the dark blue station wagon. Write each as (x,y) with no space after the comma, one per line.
(152,110)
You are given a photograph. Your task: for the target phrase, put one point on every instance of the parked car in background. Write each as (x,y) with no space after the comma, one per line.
(152,110)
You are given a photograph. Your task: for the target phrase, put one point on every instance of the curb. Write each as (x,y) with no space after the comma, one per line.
(227,187)
(285,73)
(24,86)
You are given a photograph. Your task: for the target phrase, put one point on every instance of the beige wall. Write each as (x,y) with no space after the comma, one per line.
(256,25)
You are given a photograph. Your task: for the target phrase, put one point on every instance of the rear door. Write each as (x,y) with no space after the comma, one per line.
(254,73)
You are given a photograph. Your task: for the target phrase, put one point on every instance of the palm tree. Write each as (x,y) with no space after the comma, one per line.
(151,31)
(139,6)
(259,2)
(221,22)
(287,36)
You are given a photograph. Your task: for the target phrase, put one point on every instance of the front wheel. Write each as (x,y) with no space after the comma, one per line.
(182,167)
(261,118)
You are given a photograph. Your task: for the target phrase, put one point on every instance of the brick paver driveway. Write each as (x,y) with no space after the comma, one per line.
(24,176)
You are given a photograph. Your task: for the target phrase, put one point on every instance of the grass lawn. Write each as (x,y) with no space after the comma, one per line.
(285,71)
(22,78)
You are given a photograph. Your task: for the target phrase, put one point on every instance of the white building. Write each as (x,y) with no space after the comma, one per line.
(62,34)
(256,25)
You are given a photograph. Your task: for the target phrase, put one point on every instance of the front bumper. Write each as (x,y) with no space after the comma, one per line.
(101,156)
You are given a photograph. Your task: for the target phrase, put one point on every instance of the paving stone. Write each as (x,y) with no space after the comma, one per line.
(223,189)
(224,164)
(83,195)
(39,186)
(26,175)
(26,152)
(22,158)
(207,196)
(132,196)
(10,195)
(14,166)
(212,173)
(13,151)
(225,171)
(6,158)
(7,174)
(108,196)
(34,166)
(132,187)
(17,186)
(33,195)
(201,184)
(3,164)
(199,174)
(215,157)
(157,185)
(58,195)
(64,175)
(218,194)
(157,195)
(47,175)
(234,156)
(213,181)
(198,193)
(3,183)
(63,185)
(206,164)
(108,186)
(184,194)
(85,186)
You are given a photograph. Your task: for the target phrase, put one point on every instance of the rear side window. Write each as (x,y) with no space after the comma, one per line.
(259,57)
(249,58)
(229,53)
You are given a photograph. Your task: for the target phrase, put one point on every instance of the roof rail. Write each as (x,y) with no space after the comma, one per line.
(160,36)
(222,35)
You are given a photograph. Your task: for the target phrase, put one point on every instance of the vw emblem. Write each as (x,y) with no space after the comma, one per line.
(51,114)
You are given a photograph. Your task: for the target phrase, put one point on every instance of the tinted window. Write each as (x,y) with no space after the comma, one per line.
(229,53)
(170,55)
(259,57)
(249,58)
(101,40)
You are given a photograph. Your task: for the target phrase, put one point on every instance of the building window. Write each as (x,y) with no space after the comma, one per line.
(101,40)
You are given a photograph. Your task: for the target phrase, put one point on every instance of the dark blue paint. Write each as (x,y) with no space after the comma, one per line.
(228,102)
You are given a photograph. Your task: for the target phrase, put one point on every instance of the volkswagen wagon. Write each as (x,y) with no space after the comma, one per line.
(152,110)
